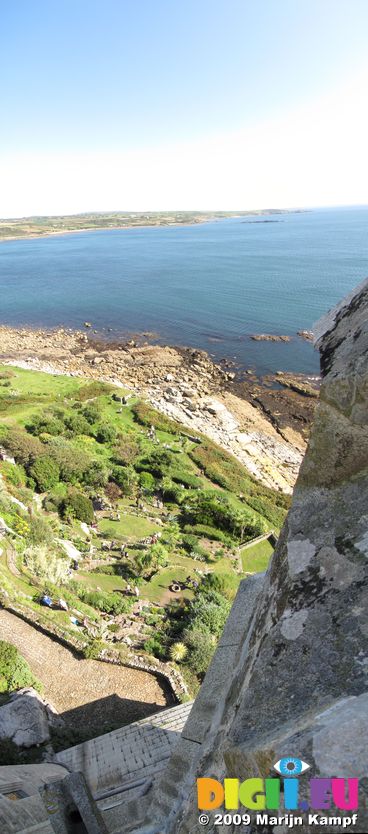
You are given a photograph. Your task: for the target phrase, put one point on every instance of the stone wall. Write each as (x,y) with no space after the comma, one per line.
(296,682)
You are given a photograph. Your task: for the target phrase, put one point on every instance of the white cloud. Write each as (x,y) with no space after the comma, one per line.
(316,155)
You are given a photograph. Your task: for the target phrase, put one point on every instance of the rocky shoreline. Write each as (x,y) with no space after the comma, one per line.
(263,423)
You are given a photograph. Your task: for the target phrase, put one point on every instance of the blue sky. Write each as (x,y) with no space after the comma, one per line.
(121,78)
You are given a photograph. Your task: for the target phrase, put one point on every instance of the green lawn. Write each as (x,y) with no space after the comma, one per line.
(256,558)
(102,580)
(156,589)
(129,526)
(37,383)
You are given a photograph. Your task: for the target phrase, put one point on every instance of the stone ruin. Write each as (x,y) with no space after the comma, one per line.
(289,677)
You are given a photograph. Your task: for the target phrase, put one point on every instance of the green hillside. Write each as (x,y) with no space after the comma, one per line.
(118,511)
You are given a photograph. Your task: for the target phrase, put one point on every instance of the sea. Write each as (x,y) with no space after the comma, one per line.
(209,286)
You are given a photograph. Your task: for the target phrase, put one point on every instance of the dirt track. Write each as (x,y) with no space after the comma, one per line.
(99,693)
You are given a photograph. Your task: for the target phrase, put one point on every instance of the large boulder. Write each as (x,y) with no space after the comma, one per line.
(26,719)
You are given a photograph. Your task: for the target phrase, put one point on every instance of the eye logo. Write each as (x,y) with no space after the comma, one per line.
(289,766)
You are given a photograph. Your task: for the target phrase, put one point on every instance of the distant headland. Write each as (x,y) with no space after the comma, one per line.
(43,226)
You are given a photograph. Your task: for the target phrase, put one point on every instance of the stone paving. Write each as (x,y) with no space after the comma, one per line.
(87,692)
(127,759)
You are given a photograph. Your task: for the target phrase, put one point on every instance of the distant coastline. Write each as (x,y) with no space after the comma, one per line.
(53,225)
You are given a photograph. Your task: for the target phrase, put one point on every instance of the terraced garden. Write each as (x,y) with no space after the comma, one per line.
(121,514)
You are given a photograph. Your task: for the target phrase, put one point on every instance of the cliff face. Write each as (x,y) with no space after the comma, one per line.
(290,674)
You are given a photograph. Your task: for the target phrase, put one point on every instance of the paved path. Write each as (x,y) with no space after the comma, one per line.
(89,691)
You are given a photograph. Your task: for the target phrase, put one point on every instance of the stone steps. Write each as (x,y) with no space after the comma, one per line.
(123,764)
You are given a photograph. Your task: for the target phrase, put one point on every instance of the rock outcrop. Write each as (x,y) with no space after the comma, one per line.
(182,383)
(296,681)
(26,718)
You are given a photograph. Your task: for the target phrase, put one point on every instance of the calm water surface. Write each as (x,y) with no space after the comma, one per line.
(209,286)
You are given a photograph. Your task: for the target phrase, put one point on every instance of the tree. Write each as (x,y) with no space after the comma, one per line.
(45,472)
(172,535)
(153,559)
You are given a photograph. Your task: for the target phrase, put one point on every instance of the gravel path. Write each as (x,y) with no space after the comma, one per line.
(88,691)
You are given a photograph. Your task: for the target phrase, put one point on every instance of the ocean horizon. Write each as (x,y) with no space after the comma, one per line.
(210,286)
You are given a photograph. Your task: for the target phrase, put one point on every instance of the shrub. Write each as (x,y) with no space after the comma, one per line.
(222,468)
(103,601)
(14,474)
(47,565)
(39,531)
(91,412)
(126,478)
(147,482)
(113,492)
(225,584)
(201,646)
(15,672)
(158,462)
(93,649)
(92,390)
(72,462)
(147,416)
(23,446)
(78,506)
(105,433)
(154,646)
(210,610)
(96,474)
(114,628)
(209,532)
(171,492)
(45,472)
(45,424)
(213,509)
(77,424)
(21,526)
(178,652)
(190,543)
(180,476)
(126,450)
